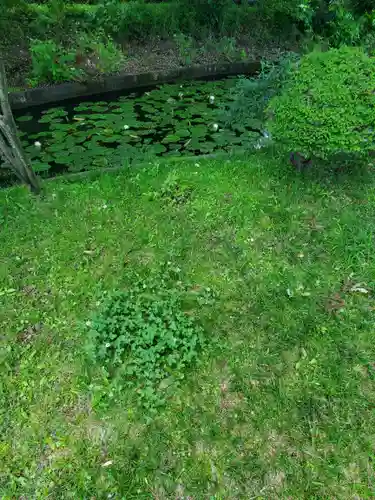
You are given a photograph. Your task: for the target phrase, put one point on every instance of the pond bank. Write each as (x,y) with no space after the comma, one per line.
(115,83)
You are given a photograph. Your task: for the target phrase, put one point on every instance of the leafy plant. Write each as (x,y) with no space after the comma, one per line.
(99,53)
(52,19)
(251,96)
(185,47)
(203,13)
(327,106)
(136,19)
(344,27)
(172,192)
(52,63)
(144,339)
(227,46)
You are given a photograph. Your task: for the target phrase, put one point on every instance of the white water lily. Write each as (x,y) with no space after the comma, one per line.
(215,127)
(211,99)
(37,144)
(266,134)
(126,127)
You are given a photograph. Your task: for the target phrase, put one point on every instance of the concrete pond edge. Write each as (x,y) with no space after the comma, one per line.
(54,94)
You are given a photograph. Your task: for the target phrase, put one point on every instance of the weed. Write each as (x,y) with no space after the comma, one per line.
(144,339)
(172,192)
(185,47)
(52,63)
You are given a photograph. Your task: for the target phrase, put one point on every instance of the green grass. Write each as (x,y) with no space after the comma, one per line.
(282,404)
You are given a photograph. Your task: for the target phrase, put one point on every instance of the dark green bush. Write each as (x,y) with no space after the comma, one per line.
(198,14)
(90,56)
(252,95)
(239,19)
(52,63)
(328,105)
(136,20)
(58,20)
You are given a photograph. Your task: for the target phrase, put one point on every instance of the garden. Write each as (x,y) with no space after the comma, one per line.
(187,279)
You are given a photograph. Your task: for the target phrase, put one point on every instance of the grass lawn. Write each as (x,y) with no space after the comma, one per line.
(282,403)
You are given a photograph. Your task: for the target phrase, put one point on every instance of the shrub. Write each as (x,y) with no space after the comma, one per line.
(98,53)
(58,20)
(285,11)
(198,14)
(252,95)
(344,28)
(144,339)
(52,63)
(186,48)
(136,20)
(327,106)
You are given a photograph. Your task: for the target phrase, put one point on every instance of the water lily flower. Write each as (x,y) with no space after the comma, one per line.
(212,99)
(37,144)
(215,127)
(266,134)
(126,127)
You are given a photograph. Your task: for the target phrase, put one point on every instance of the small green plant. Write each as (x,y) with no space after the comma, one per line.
(327,106)
(185,47)
(52,63)
(99,53)
(145,340)
(172,192)
(227,46)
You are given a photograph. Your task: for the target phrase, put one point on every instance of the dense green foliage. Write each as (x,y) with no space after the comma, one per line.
(63,23)
(144,339)
(53,63)
(328,105)
(251,95)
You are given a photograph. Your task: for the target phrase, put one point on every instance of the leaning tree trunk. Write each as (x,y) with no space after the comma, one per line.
(10,145)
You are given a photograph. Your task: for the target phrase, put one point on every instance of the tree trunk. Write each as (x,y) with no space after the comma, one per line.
(10,145)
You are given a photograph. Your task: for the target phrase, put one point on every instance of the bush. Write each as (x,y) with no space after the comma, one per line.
(98,53)
(136,20)
(58,20)
(327,106)
(284,12)
(144,340)
(252,95)
(51,63)
(197,14)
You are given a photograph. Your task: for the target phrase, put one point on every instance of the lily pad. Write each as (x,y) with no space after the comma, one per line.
(25,118)
(40,166)
(171,138)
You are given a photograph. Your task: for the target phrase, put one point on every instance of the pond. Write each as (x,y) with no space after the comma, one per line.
(170,120)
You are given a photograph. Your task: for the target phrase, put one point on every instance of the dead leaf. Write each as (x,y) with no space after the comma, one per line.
(335,303)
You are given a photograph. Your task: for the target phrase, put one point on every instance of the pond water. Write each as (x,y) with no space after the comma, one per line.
(170,120)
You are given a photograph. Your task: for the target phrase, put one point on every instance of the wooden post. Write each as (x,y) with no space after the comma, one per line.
(10,145)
